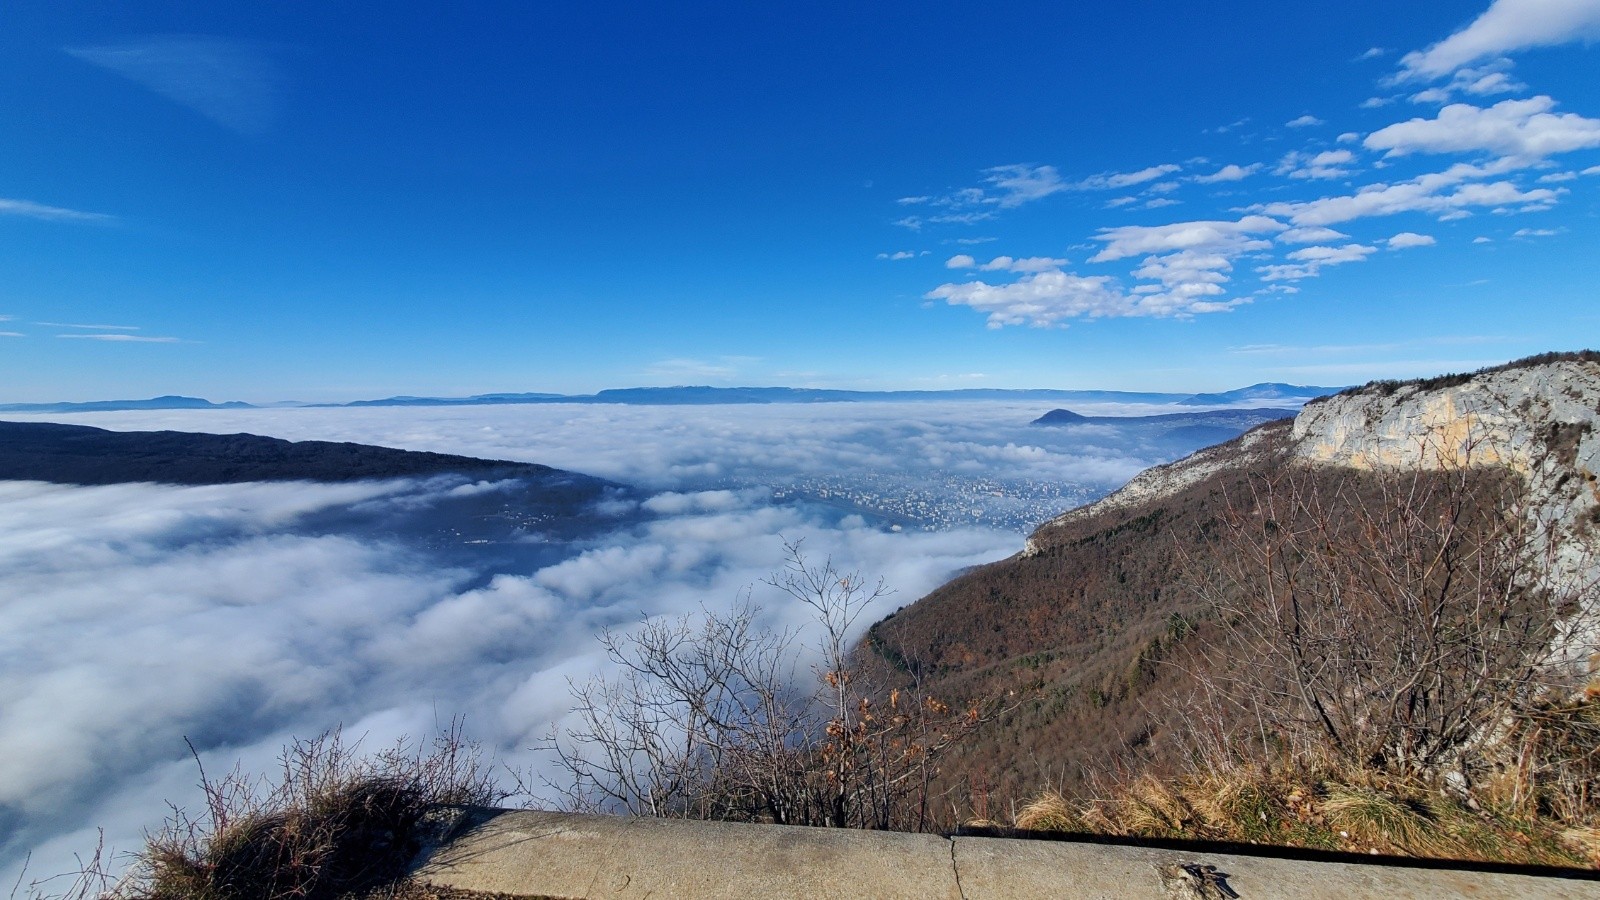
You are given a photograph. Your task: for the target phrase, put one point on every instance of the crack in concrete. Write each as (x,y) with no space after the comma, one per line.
(955,868)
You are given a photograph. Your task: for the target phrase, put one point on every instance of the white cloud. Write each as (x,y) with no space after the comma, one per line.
(1376,102)
(1349,137)
(1431,95)
(1482,240)
(1229,172)
(1410,239)
(1039,299)
(1333,256)
(1445,194)
(1201,236)
(1196,274)
(1051,298)
(912,222)
(1310,235)
(1305,121)
(960,261)
(1481,81)
(1310,260)
(1558,177)
(31,210)
(1492,83)
(1536,232)
(12,334)
(898,255)
(1159,202)
(1024,265)
(909,201)
(1326,164)
(1372,53)
(1522,128)
(1505,27)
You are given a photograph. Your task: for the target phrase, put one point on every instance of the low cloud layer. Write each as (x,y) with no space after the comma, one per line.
(134,616)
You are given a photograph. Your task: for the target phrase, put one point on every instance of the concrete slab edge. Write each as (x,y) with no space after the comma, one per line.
(547,854)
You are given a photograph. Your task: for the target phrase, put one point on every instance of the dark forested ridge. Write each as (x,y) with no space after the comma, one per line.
(77,454)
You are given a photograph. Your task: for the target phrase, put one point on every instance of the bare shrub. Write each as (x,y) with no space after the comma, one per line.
(332,822)
(710,718)
(1391,620)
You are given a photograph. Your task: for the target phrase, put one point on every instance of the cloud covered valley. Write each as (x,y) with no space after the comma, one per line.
(238,616)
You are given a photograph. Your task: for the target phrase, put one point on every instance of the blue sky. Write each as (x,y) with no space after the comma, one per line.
(333,201)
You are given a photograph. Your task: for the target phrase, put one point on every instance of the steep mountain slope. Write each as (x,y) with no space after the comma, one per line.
(1096,623)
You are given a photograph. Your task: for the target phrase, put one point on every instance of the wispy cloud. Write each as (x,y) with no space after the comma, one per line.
(31,210)
(722,368)
(1114,180)
(234,83)
(122,338)
(88,327)
(1305,121)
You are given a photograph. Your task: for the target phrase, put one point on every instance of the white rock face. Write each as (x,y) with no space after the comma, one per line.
(1499,418)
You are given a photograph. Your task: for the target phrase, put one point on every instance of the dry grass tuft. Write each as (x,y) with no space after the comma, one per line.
(334,824)
(1050,811)
(1318,809)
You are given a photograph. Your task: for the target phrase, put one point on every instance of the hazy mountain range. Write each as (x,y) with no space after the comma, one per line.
(700,394)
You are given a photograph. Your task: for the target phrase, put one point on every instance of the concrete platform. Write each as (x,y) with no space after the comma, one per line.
(545,854)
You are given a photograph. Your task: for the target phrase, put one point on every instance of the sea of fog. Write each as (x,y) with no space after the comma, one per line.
(134,617)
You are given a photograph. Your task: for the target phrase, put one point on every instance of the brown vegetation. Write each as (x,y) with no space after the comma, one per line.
(1289,631)
(334,823)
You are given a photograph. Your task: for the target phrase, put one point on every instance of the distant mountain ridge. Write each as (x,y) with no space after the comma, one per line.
(170,401)
(1267,390)
(692,395)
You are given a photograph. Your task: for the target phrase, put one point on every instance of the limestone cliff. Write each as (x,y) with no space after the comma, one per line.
(1537,417)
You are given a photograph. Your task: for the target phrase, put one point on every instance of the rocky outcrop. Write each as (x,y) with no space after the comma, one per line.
(1540,419)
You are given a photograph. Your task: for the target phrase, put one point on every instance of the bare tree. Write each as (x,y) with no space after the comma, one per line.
(1394,619)
(712,718)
